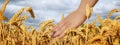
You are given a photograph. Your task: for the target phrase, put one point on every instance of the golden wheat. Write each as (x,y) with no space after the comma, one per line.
(15,32)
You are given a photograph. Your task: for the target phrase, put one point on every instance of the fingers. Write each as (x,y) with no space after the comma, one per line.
(53,31)
(53,28)
(61,35)
(58,25)
(56,28)
(52,34)
(60,31)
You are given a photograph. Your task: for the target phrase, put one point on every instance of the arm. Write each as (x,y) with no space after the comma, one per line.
(83,4)
(90,2)
(73,20)
(82,8)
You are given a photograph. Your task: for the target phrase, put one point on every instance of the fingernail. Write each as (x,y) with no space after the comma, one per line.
(55,35)
(52,34)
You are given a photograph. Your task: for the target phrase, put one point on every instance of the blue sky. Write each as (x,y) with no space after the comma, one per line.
(53,9)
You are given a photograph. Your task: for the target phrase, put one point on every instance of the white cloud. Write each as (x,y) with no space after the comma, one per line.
(52,9)
(103,7)
(106,5)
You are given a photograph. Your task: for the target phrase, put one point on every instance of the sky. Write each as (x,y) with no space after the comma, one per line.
(53,9)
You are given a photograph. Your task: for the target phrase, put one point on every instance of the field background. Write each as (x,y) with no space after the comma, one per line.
(53,9)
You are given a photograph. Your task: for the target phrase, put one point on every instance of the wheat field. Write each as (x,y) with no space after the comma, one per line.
(15,31)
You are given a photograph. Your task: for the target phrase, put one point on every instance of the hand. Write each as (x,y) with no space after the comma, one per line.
(73,20)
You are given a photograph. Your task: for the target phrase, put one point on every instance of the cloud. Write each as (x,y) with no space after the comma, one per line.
(11,1)
(103,7)
(11,10)
(52,9)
